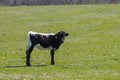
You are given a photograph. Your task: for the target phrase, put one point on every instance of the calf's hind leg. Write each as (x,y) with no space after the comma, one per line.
(28,53)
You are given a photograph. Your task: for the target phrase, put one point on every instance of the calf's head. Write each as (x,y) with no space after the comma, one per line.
(60,36)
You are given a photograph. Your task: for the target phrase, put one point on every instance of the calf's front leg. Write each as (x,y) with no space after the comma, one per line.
(52,57)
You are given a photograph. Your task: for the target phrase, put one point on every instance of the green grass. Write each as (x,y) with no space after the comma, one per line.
(90,52)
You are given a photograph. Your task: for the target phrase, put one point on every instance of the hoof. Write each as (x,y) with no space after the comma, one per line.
(52,64)
(28,65)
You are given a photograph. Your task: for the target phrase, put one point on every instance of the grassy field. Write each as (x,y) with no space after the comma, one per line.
(91,52)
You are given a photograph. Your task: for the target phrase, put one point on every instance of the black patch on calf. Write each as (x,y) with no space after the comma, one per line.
(43,40)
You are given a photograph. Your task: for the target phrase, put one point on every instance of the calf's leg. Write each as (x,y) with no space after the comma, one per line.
(52,57)
(28,53)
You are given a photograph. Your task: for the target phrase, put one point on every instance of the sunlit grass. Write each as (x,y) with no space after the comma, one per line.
(90,52)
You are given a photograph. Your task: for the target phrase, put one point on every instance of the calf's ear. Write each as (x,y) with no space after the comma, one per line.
(66,34)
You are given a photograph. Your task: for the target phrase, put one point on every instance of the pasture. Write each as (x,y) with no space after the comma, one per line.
(90,52)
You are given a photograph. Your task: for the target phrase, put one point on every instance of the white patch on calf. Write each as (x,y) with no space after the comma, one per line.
(63,39)
(38,46)
(28,40)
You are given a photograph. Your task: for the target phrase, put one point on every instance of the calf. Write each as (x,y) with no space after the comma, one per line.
(47,41)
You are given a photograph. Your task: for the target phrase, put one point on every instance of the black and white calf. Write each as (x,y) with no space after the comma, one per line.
(41,40)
